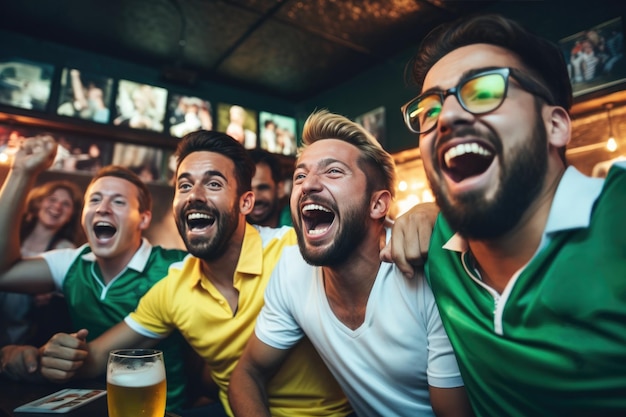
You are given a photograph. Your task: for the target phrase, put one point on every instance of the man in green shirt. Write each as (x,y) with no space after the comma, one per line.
(102,281)
(528,260)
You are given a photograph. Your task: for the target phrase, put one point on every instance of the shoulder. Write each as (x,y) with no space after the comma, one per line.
(283,234)
(64,244)
(168,255)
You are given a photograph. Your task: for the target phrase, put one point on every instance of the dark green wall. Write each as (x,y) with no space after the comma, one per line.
(385,86)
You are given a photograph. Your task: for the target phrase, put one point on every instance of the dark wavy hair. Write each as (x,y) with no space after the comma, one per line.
(221,143)
(541,57)
(69,231)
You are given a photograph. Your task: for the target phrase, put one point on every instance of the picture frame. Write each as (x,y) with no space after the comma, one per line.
(188,114)
(25,84)
(374,122)
(140,106)
(145,161)
(76,153)
(595,57)
(238,122)
(85,95)
(278,133)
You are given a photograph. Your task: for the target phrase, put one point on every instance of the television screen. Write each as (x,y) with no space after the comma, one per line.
(75,153)
(238,122)
(374,122)
(140,106)
(145,161)
(188,114)
(25,84)
(278,133)
(85,96)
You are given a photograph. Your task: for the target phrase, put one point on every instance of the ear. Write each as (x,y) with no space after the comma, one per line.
(559,126)
(246,203)
(280,186)
(380,204)
(146,218)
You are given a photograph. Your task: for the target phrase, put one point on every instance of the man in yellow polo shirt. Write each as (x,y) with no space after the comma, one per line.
(214,296)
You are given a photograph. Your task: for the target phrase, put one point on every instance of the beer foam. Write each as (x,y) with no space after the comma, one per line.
(145,376)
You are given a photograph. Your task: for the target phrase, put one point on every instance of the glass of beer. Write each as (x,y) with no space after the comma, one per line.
(136,383)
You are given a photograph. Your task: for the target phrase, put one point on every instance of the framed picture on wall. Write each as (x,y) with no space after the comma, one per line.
(595,57)
(187,114)
(145,161)
(140,106)
(374,122)
(75,153)
(238,122)
(25,84)
(278,133)
(85,96)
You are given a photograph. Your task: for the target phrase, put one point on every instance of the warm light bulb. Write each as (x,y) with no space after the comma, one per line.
(402,186)
(611,144)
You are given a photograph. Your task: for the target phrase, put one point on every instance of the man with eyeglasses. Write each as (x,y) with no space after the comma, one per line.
(528,258)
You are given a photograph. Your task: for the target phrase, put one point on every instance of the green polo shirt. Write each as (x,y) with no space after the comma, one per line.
(98,307)
(554,342)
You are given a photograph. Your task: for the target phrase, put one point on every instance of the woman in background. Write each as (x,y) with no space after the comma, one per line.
(51,220)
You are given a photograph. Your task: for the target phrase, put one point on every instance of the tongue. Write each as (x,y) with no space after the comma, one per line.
(467,165)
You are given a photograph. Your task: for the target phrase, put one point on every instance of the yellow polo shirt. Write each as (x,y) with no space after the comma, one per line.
(186,300)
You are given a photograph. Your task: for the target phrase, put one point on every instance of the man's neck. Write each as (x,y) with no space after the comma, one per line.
(348,285)
(500,258)
(111,267)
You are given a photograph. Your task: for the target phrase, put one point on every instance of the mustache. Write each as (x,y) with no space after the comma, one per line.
(198,206)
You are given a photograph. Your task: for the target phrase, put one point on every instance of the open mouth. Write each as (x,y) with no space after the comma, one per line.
(317,219)
(466,160)
(104,230)
(199,221)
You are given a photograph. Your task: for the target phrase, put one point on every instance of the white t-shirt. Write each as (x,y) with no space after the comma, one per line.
(386,365)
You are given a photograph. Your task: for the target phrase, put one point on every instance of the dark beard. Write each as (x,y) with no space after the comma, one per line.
(351,234)
(210,249)
(521,180)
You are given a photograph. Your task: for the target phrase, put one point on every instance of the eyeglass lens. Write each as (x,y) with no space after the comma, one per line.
(477,95)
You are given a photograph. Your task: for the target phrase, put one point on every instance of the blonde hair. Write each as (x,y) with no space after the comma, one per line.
(374,159)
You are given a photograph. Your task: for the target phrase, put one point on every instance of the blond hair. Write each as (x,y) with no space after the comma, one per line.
(374,159)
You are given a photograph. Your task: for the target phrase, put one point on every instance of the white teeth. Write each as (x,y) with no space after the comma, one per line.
(318,231)
(196,216)
(310,207)
(462,149)
(104,224)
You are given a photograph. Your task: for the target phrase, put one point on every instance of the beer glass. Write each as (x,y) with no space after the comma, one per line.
(136,383)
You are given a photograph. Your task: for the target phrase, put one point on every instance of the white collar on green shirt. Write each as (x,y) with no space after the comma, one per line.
(138,261)
(571,207)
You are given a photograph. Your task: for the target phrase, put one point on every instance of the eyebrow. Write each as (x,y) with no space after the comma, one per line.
(464,76)
(324,163)
(207,174)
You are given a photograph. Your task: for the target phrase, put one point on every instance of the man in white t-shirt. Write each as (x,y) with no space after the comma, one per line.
(379,332)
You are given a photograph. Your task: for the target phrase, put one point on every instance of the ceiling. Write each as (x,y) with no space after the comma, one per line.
(291,49)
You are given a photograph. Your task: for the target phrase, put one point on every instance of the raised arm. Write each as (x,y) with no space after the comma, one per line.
(67,356)
(246,390)
(33,157)
(410,238)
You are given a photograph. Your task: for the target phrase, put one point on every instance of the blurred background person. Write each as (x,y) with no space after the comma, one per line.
(50,221)
(85,100)
(269,193)
(190,114)
(237,129)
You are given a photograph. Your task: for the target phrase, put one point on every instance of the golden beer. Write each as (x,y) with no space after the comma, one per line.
(136,385)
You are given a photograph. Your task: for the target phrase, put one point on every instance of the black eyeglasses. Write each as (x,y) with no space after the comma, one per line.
(479,93)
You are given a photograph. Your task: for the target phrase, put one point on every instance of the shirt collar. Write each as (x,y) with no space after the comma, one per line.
(250,259)
(571,208)
(138,261)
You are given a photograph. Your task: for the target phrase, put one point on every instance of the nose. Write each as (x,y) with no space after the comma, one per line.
(452,113)
(196,193)
(103,207)
(311,183)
